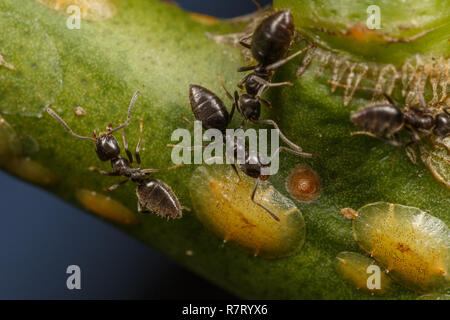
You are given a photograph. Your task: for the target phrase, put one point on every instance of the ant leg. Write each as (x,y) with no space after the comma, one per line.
(410,153)
(233,165)
(248,68)
(269,84)
(282,136)
(439,142)
(229,97)
(224,88)
(232,112)
(294,152)
(141,209)
(104,173)
(297,153)
(125,144)
(138,146)
(244,44)
(292,56)
(115,186)
(370,134)
(240,84)
(388,98)
(259,204)
(150,171)
(413,134)
(269,106)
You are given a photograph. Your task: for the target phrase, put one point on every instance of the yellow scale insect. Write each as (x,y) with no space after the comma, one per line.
(412,245)
(222,203)
(106,207)
(11,158)
(362,272)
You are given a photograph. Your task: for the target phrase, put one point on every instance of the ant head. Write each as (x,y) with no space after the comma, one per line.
(250,107)
(106,146)
(442,127)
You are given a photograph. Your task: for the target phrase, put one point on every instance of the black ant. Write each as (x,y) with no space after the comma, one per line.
(253,167)
(153,195)
(211,111)
(270,43)
(250,109)
(386,120)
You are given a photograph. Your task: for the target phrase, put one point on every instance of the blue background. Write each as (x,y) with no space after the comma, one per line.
(40,236)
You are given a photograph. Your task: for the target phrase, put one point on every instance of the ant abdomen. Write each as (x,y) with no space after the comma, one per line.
(157,197)
(379,119)
(208,108)
(272,38)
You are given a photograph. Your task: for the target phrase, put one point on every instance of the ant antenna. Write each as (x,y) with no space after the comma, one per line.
(57,117)
(257,4)
(130,108)
(222,83)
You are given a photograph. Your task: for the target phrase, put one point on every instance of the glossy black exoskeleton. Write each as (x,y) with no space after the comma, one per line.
(208,108)
(153,195)
(270,42)
(386,120)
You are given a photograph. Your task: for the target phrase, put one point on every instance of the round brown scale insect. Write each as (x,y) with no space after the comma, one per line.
(303,183)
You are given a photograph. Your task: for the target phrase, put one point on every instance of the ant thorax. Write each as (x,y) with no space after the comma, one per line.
(121,166)
(418,120)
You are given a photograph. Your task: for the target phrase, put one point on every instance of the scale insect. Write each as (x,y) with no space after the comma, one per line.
(221,202)
(153,195)
(411,244)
